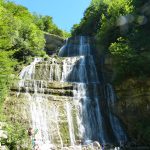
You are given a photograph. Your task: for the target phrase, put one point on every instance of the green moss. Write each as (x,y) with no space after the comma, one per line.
(65,132)
(74,117)
(63,124)
(133,107)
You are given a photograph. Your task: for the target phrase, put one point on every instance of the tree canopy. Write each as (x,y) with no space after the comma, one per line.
(120,27)
(122,32)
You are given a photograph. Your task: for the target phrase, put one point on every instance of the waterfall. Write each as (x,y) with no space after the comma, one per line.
(70,123)
(83,74)
(115,123)
(66,102)
(38,109)
(87,96)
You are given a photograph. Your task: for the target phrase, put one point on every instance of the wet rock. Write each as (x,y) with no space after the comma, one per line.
(3,134)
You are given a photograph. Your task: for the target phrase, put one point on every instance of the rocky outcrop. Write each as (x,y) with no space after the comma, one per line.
(53,88)
(53,43)
(3,135)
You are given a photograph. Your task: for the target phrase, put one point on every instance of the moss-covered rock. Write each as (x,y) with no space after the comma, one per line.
(133,107)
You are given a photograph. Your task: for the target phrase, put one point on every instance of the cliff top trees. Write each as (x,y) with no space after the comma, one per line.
(91,21)
(110,20)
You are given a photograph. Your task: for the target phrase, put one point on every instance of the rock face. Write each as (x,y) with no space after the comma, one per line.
(134,108)
(132,105)
(53,43)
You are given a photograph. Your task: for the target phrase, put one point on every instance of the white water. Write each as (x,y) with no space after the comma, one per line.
(82,73)
(70,124)
(51,73)
(38,109)
(115,123)
(28,72)
(77,71)
(84,47)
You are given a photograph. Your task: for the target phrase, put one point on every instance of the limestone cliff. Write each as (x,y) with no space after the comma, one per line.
(53,43)
(133,104)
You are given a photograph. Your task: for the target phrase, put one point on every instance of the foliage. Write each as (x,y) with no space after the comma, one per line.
(22,31)
(7,29)
(18,32)
(6,73)
(91,21)
(17,135)
(45,23)
(127,62)
(30,41)
(117,26)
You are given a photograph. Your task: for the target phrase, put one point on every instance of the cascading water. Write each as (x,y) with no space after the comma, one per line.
(39,110)
(114,121)
(87,97)
(83,74)
(64,118)
(70,123)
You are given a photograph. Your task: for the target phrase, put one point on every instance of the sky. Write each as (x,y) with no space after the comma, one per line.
(65,13)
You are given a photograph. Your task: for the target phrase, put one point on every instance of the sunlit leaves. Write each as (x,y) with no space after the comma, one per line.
(121,48)
(46,24)
(8,28)
(6,71)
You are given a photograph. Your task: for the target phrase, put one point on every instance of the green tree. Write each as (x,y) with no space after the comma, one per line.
(8,28)
(7,64)
(46,24)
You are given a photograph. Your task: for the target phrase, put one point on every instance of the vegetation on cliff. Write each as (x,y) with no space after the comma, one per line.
(121,29)
(21,39)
